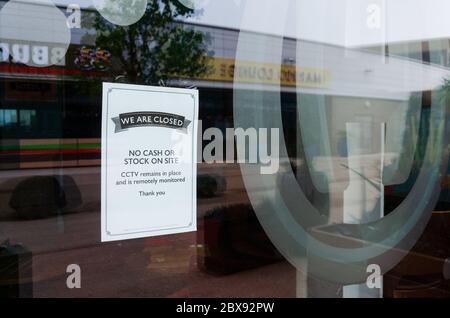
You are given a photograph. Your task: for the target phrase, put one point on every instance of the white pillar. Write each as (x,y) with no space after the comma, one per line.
(366,190)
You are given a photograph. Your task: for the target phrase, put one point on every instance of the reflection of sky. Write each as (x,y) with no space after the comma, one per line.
(339,22)
(225,13)
(82,3)
(217,12)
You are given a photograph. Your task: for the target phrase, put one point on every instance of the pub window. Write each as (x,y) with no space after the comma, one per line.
(27,118)
(8,117)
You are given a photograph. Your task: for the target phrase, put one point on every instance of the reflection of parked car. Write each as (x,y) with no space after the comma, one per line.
(44,196)
(84,58)
(92,59)
(101,61)
(233,240)
(103,55)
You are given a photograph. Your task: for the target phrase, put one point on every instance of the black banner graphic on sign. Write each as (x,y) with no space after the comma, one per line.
(150,119)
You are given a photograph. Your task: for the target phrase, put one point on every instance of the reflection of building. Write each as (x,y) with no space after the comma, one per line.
(334,80)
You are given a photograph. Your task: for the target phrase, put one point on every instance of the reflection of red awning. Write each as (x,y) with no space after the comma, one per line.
(54,70)
(49,151)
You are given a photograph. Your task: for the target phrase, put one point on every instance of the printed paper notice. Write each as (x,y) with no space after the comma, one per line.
(149,160)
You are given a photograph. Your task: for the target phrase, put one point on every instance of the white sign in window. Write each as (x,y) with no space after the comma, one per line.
(149,160)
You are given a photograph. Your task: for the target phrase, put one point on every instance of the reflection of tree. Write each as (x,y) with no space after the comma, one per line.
(445,99)
(445,92)
(156,47)
(432,130)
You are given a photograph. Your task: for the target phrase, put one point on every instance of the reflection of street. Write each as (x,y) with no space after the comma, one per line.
(161,266)
(128,270)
